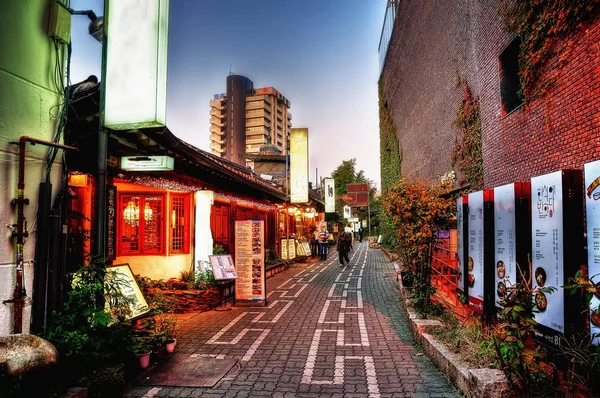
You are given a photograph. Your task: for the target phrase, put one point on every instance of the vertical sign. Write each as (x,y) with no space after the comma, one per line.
(505,241)
(136,64)
(462,216)
(592,208)
(329,184)
(111,223)
(292,249)
(475,259)
(299,165)
(347,212)
(284,249)
(249,261)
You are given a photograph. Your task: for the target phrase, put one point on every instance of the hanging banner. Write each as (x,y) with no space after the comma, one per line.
(475,259)
(299,165)
(592,208)
(249,258)
(329,185)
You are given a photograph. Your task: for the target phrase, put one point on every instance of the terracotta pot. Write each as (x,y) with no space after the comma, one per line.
(144,360)
(170,345)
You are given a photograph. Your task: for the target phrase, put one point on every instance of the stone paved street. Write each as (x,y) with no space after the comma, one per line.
(328,331)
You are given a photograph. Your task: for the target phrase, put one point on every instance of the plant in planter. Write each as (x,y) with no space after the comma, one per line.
(167,327)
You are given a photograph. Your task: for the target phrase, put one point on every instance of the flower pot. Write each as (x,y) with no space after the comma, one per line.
(170,345)
(144,360)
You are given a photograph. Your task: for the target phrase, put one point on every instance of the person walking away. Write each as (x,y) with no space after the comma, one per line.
(360,235)
(314,242)
(323,243)
(344,243)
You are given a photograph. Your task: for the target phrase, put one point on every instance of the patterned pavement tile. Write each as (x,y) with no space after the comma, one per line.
(328,331)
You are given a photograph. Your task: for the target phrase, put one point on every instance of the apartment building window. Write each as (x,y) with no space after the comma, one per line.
(140,224)
(255,128)
(511,92)
(180,224)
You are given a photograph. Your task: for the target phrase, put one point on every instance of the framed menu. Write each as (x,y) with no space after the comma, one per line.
(306,248)
(284,249)
(592,209)
(130,289)
(223,267)
(250,261)
(292,249)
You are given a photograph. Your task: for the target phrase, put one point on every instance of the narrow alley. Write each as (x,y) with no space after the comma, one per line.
(328,331)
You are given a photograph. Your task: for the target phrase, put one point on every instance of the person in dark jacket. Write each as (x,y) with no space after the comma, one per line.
(344,244)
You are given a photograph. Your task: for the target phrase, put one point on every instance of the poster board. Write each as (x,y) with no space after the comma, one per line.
(300,250)
(284,249)
(505,271)
(223,267)
(592,209)
(306,248)
(251,284)
(461,244)
(291,249)
(130,289)
(475,258)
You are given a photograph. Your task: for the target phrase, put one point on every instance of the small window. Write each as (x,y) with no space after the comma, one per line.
(511,92)
(180,222)
(141,224)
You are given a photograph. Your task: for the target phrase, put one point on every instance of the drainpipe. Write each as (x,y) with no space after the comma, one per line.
(19,294)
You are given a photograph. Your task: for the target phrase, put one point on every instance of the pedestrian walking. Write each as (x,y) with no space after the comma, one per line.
(323,243)
(360,235)
(314,242)
(343,247)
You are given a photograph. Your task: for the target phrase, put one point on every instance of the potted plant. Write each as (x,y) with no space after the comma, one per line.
(168,327)
(143,348)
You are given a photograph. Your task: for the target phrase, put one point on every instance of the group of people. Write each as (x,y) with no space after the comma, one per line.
(319,244)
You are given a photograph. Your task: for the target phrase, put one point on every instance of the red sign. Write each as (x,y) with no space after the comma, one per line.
(358,195)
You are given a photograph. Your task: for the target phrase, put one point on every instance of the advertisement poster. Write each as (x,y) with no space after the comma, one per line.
(291,249)
(249,258)
(223,267)
(459,245)
(547,257)
(475,259)
(505,243)
(329,195)
(592,208)
(299,165)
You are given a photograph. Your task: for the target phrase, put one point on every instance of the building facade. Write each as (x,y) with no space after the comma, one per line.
(244,119)
(430,53)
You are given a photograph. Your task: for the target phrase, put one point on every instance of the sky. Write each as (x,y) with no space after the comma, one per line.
(320,54)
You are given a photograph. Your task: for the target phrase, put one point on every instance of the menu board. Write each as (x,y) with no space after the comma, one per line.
(284,249)
(250,260)
(505,272)
(459,244)
(292,249)
(475,259)
(300,250)
(592,208)
(223,267)
(129,288)
(547,258)
(306,248)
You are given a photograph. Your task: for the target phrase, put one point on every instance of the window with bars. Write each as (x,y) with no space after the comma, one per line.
(180,224)
(141,224)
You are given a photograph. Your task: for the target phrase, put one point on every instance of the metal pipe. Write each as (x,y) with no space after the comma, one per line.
(19,294)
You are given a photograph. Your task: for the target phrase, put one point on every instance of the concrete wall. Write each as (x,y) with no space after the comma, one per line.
(28,99)
(433,43)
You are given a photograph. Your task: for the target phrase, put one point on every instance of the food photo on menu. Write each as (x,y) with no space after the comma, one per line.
(541,301)
(540,276)
(500,269)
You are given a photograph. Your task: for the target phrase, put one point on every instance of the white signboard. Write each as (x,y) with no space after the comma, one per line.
(347,213)
(459,246)
(547,257)
(299,165)
(329,184)
(136,64)
(505,242)
(475,260)
(223,267)
(592,208)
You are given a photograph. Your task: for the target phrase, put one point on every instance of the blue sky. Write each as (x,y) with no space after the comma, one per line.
(320,54)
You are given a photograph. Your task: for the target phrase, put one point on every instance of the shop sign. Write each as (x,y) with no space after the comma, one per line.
(299,165)
(505,243)
(461,234)
(329,184)
(249,257)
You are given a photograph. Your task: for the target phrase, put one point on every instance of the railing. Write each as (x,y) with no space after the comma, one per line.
(386,32)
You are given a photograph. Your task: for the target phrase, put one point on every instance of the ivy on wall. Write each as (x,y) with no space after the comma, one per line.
(467,148)
(544,27)
(390,158)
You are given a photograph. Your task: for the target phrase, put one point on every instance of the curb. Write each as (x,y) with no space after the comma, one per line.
(473,382)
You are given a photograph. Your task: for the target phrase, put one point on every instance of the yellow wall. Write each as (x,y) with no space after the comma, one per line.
(157,267)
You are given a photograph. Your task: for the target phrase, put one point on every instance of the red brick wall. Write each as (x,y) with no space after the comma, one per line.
(431,44)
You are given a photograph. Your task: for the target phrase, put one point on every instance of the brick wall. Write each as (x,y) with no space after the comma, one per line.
(432,44)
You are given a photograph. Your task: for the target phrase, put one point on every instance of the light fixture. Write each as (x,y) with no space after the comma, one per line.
(131,213)
(96,26)
(147,163)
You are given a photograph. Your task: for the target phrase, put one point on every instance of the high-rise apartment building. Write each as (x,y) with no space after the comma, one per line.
(244,118)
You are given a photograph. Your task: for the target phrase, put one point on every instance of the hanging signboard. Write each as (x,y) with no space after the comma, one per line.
(358,195)
(475,258)
(223,267)
(592,208)
(557,228)
(329,185)
(250,286)
(299,165)
(347,213)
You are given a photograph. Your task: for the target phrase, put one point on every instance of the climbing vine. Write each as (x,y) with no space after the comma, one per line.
(390,159)
(544,27)
(467,149)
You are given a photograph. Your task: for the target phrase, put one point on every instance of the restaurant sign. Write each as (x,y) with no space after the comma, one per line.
(249,258)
